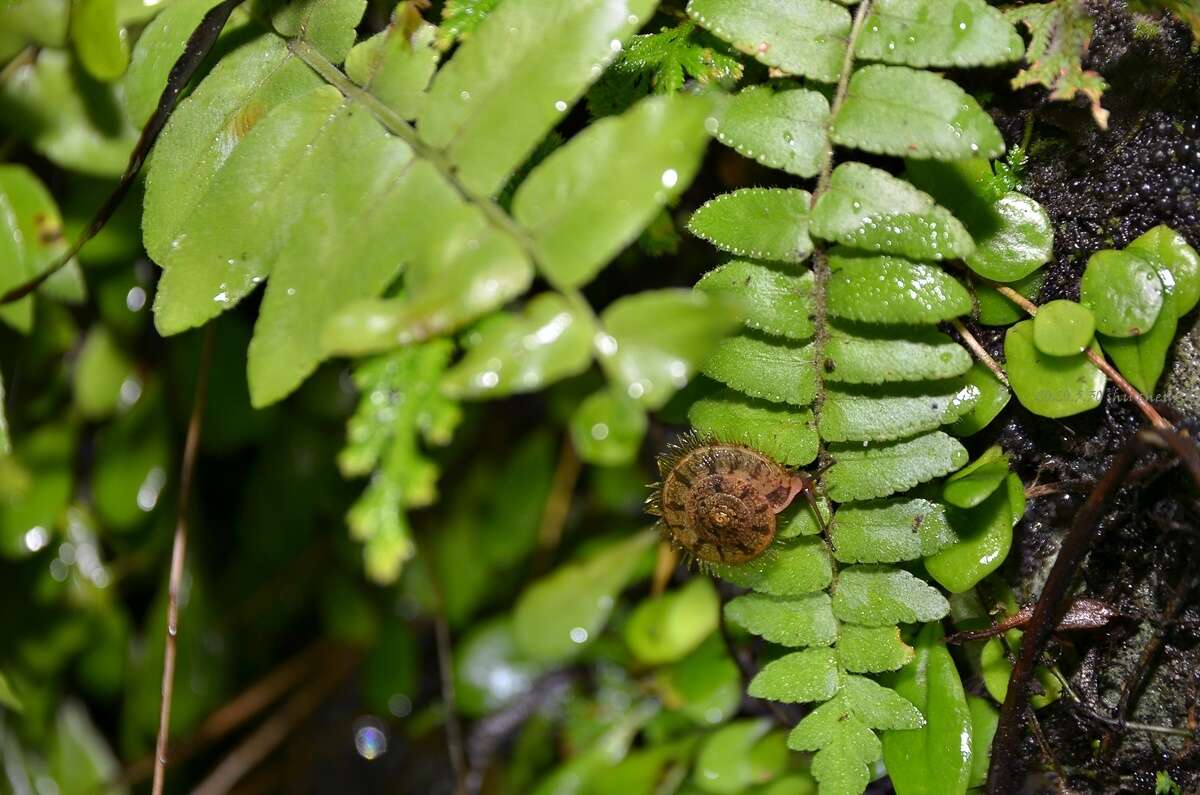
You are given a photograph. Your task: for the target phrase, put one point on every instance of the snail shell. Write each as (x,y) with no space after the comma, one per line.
(718,502)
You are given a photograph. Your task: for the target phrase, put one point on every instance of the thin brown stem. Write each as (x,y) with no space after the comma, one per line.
(562,489)
(664,567)
(1097,359)
(259,745)
(980,354)
(178,556)
(445,659)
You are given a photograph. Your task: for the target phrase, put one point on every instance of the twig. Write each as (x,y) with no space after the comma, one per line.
(558,503)
(1091,713)
(273,731)
(250,702)
(198,46)
(1097,359)
(664,567)
(178,554)
(981,354)
(445,659)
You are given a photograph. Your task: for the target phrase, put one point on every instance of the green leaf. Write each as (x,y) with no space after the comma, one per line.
(889,531)
(188,166)
(894,110)
(801,37)
(67,117)
(888,289)
(868,354)
(846,747)
(1123,291)
(1141,359)
(975,482)
(869,209)
(100,373)
(607,428)
(1012,240)
(510,353)
(1051,386)
(1168,249)
(653,342)
(763,223)
(860,473)
(996,670)
(98,39)
(938,33)
(875,596)
(997,310)
(993,397)
(461,18)
(880,707)
(31,240)
(663,62)
(984,539)
(395,65)
(489,671)
(706,684)
(869,413)
(158,47)
(808,675)
(773,301)
(668,627)
(593,196)
(788,621)
(1063,328)
(519,72)
(8,697)
(400,407)
(784,433)
(872,649)
(936,758)
(984,718)
(781,129)
(794,568)
(1059,36)
(556,616)
(78,757)
(764,367)
(5,437)
(725,763)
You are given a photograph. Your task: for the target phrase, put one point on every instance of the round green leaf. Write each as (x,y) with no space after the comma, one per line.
(99,41)
(667,628)
(1123,291)
(1052,386)
(1141,359)
(1019,239)
(993,397)
(1169,249)
(1063,328)
(985,537)
(607,429)
(972,484)
(996,669)
(726,762)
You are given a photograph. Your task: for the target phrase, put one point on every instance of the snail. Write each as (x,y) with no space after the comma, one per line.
(717,502)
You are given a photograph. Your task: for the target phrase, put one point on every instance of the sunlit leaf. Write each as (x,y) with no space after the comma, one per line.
(871,413)
(1123,291)
(1168,249)
(880,707)
(975,482)
(938,33)
(653,342)
(864,473)
(98,39)
(889,531)
(1052,386)
(809,675)
(875,596)
(869,209)
(507,353)
(763,367)
(594,195)
(667,627)
(802,37)
(782,129)
(795,621)
(858,353)
(895,110)
(889,289)
(158,46)
(1063,328)
(872,649)
(763,223)
(519,72)
(795,568)
(984,538)
(773,301)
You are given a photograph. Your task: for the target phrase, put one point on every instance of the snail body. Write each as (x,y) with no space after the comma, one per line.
(718,502)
